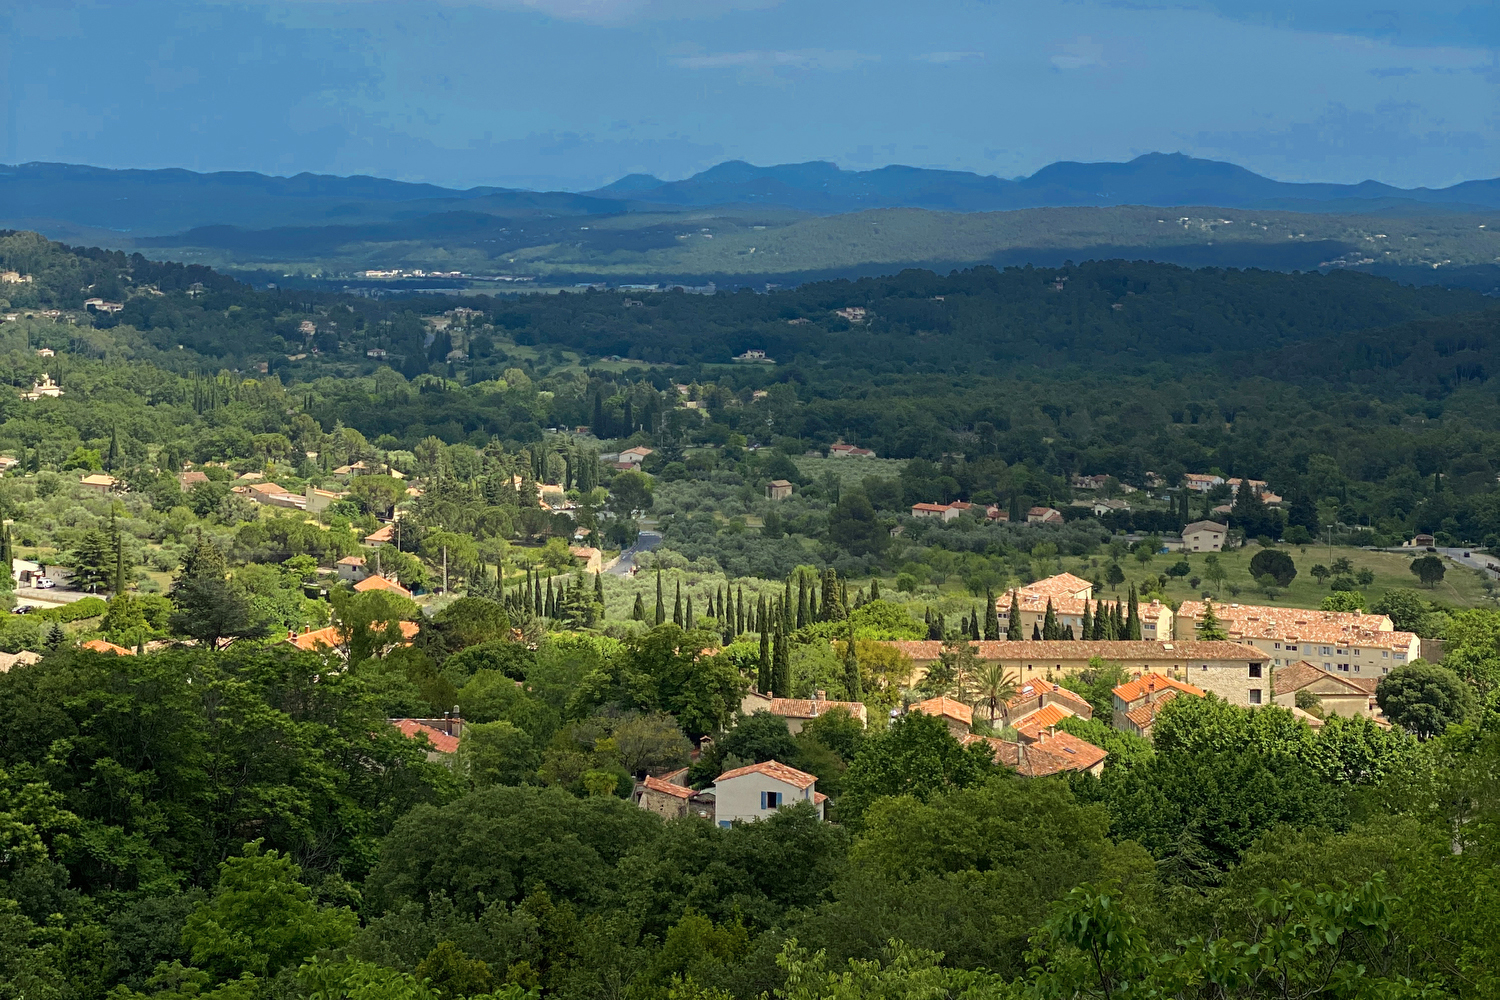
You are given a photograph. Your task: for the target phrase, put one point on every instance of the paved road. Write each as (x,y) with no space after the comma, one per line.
(644,542)
(1473,559)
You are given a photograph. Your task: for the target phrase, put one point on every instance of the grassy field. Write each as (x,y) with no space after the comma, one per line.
(849,470)
(1461,587)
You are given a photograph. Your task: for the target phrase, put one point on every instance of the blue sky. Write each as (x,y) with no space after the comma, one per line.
(575,93)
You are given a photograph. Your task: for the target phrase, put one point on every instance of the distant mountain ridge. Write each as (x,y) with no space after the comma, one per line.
(1155,179)
(81,201)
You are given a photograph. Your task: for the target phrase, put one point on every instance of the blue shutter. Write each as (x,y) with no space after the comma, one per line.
(762,800)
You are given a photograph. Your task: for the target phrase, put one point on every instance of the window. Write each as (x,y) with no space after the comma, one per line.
(1254,667)
(1323,650)
(726,824)
(770,800)
(1276,644)
(1255,696)
(1385,654)
(1290,648)
(1326,666)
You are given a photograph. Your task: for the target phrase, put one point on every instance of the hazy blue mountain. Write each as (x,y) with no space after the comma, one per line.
(55,196)
(1153,179)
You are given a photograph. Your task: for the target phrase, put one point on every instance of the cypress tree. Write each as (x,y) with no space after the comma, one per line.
(677,618)
(1049,623)
(875,589)
(691,623)
(1036,632)
(991,616)
(739,611)
(1119,621)
(661,607)
(932,627)
(638,613)
(942,626)
(550,608)
(801,600)
(781,674)
(852,684)
(786,606)
(599,592)
(536,589)
(1133,620)
(813,614)
(1068,633)
(1013,628)
(1087,629)
(974,632)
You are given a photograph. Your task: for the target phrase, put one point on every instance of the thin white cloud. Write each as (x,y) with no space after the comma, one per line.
(769,60)
(949,57)
(601,11)
(1080,53)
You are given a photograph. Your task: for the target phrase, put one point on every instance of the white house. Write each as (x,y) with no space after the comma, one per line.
(754,792)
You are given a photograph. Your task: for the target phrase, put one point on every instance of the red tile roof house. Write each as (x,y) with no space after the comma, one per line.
(1139,701)
(842,450)
(441,734)
(799,711)
(755,792)
(1052,753)
(960,717)
(669,797)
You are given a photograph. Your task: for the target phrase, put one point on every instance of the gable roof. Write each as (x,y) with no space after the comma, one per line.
(380,583)
(24,658)
(771,769)
(100,646)
(1058,753)
(1034,725)
(1153,683)
(811,708)
(329,637)
(667,788)
(441,741)
(1214,526)
(946,708)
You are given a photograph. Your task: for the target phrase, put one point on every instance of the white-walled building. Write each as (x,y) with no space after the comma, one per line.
(755,792)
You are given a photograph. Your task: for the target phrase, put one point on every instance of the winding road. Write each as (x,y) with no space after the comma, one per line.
(644,542)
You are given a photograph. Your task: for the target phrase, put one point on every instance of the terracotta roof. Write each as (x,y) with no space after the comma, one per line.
(1060,752)
(1298,625)
(1135,690)
(811,708)
(780,483)
(1053,755)
(666,788)
(1213,526)
(328,638)
(946,707)
(771,769)
(1144,714)
(1038,722)
(819,798)
(934,507)
(351,561)
(381,535)
(1037,688)
(1062,591)
(100,646)
(265,489)
(1124,651)
(380,583)
(441,741)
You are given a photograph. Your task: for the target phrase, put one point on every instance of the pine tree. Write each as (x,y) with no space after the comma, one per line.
(677,618)
(638,613)
(1013,627)
(661,608)
(991,615)
(1210,629)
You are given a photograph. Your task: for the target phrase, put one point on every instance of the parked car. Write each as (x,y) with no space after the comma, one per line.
(22,609)
(44,583)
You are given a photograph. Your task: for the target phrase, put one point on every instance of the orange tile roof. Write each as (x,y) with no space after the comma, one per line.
(100,646)
(441,741)
(1060,585)
(667,788)
(381,535)
(1341,628)
(1038,722)
(1061,752)
(1037,688)
(1296,676)
(1144,714)
(946,707)
(329,637)
(771,769)
(381,583)
(1135,690)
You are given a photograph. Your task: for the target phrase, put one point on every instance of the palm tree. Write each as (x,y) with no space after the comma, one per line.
(990,686)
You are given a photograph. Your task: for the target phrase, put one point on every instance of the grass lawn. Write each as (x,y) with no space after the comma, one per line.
(1461,587)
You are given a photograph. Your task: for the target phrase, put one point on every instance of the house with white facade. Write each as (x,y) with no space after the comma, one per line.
(755,792)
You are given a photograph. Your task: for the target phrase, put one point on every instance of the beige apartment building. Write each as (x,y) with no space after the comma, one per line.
(1237,672)
(1340,642)
(1068,593)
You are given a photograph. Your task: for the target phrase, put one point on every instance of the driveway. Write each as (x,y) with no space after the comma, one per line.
(644,542)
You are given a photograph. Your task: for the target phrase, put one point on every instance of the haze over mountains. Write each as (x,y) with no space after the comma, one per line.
(738,222)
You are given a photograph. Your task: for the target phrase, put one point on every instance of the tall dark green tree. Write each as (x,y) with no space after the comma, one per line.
(1013,627)
(781,665)
(991,616)
(853,686)
(661,607)
(677,616)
